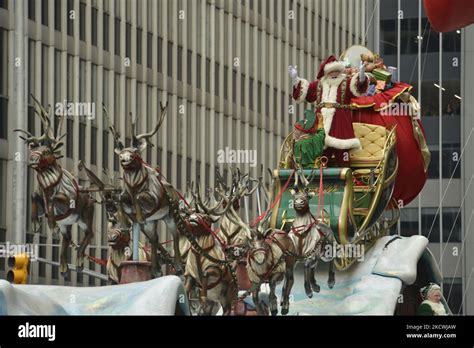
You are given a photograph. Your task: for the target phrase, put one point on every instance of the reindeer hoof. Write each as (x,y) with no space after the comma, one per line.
(284,311)
(331,280)
(66,274)
(316,287)
(308,290)
(274,312)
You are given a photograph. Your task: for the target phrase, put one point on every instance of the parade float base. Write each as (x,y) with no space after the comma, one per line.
(370,287)
(161,296)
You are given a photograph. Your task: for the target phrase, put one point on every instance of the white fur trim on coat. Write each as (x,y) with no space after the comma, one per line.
(336,65)
(330,95)
(438,308)
(304,89)
(353,85)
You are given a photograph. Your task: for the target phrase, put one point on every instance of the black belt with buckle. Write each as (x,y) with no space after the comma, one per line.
(333,105)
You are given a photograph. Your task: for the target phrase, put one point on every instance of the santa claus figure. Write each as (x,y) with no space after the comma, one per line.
(331,94)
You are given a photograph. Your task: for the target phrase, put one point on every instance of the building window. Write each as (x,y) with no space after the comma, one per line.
(170,59)
(82,81)
(42,253)
(94,145)
(234,86)
(251,93)
(82,21)
(198,71)
(216,78)
(105,149)
(208,75)
(169,160)
(55,252)
(128,41)
(44,12)
(57,15)
(226,72)
(259,97)
(82,144)
(3,84)
(189,65)
(69,142)
(267,100)
(94,26)
(117,36)
(451,165)
(139,45)
(451,224)
(180,63)
(452,292)
(149,50)
(31,9)
(70,79)
(242,90)
(70,21)
(160,54)
(106,31)
(3,197)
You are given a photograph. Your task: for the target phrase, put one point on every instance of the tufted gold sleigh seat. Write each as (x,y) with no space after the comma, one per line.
(372,138)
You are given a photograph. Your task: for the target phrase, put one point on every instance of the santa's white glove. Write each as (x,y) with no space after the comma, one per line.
(362,72)
(127,252)
(292,70)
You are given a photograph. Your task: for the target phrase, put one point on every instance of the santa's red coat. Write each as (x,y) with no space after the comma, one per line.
(337,120)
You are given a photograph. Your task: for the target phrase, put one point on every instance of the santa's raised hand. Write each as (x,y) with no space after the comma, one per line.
(362,72)
(293,72)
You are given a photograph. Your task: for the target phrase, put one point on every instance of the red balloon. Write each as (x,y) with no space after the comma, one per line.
(449,15)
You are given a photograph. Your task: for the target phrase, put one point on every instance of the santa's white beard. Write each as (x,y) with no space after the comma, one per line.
(331,81)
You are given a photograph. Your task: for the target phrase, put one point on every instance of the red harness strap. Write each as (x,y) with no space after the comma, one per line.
(261,216)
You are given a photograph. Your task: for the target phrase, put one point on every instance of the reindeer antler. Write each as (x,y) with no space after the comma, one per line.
(115,133)
(146,136)
(47,137)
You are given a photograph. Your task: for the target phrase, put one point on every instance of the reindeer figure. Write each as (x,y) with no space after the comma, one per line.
(120,249)
(270,259)
(309,236)
(235,237)
(206,265)
(144,197)
(59,197)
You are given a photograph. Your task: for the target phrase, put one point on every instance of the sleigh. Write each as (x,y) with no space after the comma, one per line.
(360,202)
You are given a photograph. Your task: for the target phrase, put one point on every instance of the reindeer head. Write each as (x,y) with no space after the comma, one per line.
(258,232)
(130,157)
(258,245)
(200,224)
(45,149)
(118,236)
(301,199)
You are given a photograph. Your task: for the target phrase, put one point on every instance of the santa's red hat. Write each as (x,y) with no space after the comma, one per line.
(330,64)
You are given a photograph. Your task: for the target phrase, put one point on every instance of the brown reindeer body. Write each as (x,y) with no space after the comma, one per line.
(120,249)
(59,197)
(309,236)
(214,280)
(270,261)
(145,197)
